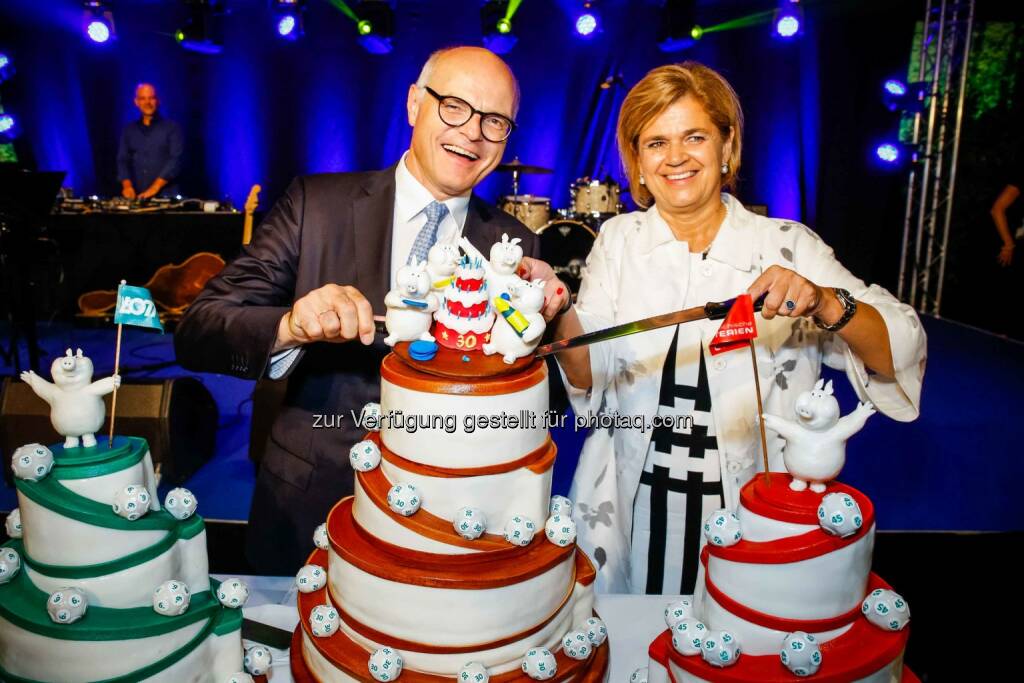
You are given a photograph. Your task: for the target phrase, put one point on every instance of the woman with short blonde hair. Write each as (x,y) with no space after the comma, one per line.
(642,493)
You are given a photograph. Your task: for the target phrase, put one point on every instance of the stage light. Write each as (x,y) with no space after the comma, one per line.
(98,22)
(895,155)
(375,26)
(8,128)
(288,18)
(696,32)
(588,21)
(6,67)
(788,21)
(676,25)
(496,25)
(895,87)
(199,33)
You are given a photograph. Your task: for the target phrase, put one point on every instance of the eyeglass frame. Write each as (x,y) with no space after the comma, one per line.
(441,98)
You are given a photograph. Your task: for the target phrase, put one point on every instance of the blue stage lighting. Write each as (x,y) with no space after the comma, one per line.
(6,68)
(8,128)
(888,153)
(788,21)
(586,24)
(98,22)
(288,18)
(895,87)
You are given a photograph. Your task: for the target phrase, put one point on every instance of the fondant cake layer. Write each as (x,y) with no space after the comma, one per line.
(864,654)
(524,489)
(463,423)
(130,581)
(116,644)
(346,662)
(498,657)
(777,501)
(493,600)
(796,589)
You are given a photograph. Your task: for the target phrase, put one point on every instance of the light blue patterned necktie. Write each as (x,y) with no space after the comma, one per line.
(436,211)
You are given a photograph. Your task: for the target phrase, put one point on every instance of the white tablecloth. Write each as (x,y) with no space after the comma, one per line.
(633,622)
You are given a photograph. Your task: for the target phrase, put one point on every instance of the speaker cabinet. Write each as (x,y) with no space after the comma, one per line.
(178,418)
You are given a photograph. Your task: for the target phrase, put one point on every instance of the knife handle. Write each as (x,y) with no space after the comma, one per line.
(717,310)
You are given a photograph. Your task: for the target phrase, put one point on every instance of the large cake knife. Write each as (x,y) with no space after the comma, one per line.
(713,310)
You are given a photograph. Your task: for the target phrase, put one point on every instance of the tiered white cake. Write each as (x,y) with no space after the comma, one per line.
(786,593)
(94,594)
(448,560)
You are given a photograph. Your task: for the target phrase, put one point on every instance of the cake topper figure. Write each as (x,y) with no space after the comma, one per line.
(501,268)
(442,260)
(510,337)
(410,305)
(815,449)
(76,402)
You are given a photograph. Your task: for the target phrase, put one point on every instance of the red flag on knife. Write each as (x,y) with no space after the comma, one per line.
(737,329)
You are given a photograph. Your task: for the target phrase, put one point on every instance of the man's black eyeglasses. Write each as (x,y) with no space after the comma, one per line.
(457,112)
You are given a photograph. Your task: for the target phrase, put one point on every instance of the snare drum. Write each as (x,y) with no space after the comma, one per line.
(593,197)
(565,244)
(532,211)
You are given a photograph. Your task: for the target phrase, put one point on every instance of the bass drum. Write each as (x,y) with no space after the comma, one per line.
(565,244)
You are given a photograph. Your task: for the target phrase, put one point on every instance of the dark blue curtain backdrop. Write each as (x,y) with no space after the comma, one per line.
(264,110)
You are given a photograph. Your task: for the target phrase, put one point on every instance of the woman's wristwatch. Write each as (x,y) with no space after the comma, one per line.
(849,308)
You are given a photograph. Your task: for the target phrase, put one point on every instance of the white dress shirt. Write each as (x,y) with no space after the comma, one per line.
(411,198)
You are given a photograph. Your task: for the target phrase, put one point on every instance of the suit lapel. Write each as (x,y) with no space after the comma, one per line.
(372,218)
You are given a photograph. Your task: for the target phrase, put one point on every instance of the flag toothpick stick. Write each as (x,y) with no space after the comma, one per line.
(113,396)
(760,415)
(135,306)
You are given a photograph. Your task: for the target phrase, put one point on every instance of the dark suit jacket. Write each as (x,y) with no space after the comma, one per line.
(327,228)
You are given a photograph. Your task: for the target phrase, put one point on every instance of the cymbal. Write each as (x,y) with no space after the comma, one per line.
(518,166)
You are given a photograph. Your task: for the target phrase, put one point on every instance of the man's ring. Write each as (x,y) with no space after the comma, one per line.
(790,304)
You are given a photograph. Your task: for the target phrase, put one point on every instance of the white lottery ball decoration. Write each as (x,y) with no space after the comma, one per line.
(364,456)
(320,539)
(840,515)
(722,528)
(597,632)
(688,636)
(233,593)
(560,530)
(539,664)
(240,677)
(67,605)
(639,676)
(10,564)
(257,660)
(800,654)
(310,578)
(519,530)
(324,621)
(576,645)
(171,598)
(369,417)
(470,523)
(131,502)
(474,672)
(13,523)
(720,648)
(886,609)
(180,503)
(404,499)
(32,462)
(385,664)
(680,609)
(560,505)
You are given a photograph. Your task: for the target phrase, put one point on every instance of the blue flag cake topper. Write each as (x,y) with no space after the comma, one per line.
(135,306)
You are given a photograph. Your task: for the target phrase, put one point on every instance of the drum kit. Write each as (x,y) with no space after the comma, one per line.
(566,235)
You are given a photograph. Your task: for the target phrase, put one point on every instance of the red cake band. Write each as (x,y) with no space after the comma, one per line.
(460,341)
(469,284)
(474,311)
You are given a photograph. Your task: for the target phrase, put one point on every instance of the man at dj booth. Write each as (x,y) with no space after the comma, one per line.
(300,299)
(150,150)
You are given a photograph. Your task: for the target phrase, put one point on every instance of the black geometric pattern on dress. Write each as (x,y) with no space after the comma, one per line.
(693,445)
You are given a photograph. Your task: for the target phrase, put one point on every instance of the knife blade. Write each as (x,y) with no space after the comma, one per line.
(713,310)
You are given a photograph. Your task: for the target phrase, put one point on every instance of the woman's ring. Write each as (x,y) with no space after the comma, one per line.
(790,304)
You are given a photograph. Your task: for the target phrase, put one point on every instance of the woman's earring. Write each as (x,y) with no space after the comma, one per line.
(642,181)
(725,168)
